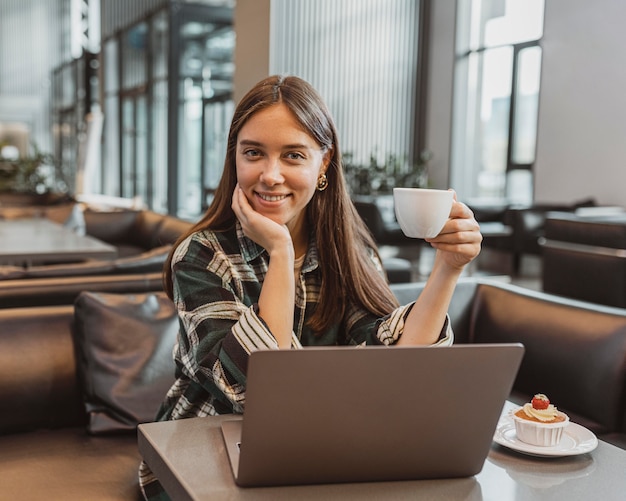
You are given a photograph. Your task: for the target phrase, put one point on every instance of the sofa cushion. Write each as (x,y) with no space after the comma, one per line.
(460,305)
(124,357)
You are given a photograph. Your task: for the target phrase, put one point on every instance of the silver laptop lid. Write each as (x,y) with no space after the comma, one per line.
(325,415)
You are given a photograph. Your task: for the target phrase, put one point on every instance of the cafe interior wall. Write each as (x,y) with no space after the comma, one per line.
(581,148)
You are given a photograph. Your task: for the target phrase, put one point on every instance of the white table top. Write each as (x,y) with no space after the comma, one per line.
(189,458)
(29,241)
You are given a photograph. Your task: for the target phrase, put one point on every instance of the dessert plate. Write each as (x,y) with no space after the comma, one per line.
(576,440)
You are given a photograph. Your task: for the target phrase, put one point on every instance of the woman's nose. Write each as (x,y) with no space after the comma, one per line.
(272,173)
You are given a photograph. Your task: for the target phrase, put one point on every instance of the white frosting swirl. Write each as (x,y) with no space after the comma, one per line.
(541,414)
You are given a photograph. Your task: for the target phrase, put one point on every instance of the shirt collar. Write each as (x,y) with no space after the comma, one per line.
(250,250)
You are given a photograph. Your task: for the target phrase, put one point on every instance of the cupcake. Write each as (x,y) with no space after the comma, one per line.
(539,422)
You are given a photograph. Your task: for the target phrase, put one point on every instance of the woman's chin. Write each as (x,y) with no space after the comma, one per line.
(277,218)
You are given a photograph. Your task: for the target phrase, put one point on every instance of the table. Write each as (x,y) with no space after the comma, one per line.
(189,458)
(30,241)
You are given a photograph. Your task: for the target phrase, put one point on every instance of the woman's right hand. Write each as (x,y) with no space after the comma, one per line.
(257,227)
(278,292)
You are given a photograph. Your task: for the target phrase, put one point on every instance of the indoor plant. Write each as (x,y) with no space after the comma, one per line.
(33,179)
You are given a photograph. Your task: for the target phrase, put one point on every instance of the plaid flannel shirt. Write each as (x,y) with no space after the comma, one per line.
(217,282)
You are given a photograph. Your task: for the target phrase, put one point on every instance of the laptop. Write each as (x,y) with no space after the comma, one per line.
(345,414)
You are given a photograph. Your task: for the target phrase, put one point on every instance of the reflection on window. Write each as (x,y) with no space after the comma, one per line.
(526,106)
(133,56)
(141,148)
(496,97)
(495,101)
(518,21)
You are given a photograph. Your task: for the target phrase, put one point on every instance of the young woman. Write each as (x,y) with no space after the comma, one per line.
(281,259)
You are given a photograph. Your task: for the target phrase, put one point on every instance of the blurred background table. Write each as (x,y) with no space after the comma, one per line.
(24,242)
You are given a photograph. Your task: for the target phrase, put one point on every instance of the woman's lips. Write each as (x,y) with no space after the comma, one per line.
(271,197)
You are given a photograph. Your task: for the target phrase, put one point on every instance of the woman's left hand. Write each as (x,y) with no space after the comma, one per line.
(459,241)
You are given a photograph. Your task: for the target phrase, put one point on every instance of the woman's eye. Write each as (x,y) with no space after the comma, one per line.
(295,156)
(252,153)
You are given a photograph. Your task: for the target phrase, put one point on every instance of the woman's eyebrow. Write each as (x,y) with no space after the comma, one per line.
(250,142)
(297,146)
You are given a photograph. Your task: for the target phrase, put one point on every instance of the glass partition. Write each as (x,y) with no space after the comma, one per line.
(162,75)
(526,106)
(205,107)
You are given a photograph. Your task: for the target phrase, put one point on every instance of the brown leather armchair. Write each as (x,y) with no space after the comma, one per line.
(575,351)
(134,231)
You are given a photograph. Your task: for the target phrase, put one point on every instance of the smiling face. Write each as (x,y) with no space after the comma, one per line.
(278,165)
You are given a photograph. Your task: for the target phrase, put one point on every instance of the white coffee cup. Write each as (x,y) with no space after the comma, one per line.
(422,212)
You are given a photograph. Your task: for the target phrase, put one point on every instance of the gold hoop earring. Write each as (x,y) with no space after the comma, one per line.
(322,182)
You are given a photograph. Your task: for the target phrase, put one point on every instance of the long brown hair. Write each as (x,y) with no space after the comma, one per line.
(343,241)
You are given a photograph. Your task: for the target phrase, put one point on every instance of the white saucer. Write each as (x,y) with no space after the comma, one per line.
(576,440)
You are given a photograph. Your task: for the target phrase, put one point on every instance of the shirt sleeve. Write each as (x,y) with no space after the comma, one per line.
(366,329)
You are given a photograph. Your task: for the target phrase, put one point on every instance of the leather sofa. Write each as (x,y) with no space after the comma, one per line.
(134,232)
(575,351)
(50,291)
(585,257)
(75,380)
(385,230)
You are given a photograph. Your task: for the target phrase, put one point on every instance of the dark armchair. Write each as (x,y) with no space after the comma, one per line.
(384,232)
(527,227)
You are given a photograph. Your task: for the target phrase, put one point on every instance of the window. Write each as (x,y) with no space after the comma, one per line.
(496,98)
